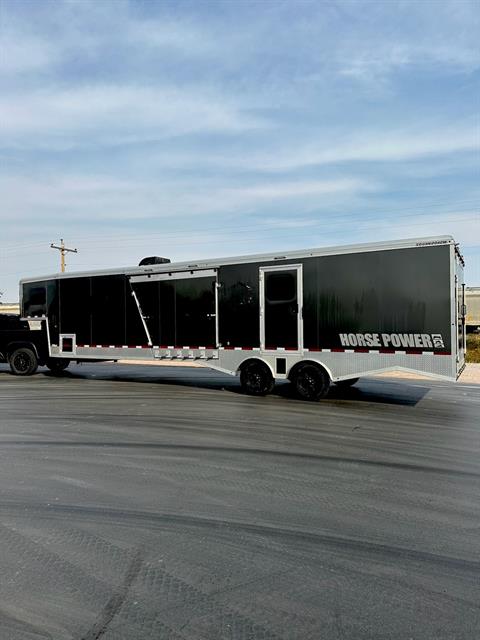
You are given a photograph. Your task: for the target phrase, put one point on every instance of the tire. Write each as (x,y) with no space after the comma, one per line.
(23,362)
(57,365)
(256,379)
(311,382)
(347,383)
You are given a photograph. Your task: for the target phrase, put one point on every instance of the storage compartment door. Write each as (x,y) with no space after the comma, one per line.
(195,312)
(179,309)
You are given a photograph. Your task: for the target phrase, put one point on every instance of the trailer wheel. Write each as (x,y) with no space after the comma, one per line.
(57,365)
(23,362)
(310,381)
(347,383)
(256,378)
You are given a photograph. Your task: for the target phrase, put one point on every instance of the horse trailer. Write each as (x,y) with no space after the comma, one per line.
(314,317)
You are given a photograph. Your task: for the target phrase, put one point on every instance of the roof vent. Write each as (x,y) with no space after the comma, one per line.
(153,260)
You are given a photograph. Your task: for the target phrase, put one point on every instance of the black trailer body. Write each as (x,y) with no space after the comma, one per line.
(351,311)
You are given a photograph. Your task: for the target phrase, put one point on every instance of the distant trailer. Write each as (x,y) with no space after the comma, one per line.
(313,316)
(472,301)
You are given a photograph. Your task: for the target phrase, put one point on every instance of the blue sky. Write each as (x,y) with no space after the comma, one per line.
(202,129)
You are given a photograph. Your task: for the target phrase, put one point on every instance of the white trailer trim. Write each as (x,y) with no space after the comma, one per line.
(284,267)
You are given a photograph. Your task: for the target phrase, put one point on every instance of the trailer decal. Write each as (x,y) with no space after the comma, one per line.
(416,341)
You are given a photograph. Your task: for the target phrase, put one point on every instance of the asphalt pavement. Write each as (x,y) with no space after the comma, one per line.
(161,503)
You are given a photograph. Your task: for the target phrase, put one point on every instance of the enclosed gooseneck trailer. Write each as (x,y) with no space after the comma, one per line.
(313,316)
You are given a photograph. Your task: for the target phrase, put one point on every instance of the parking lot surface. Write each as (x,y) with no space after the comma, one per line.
(161,503)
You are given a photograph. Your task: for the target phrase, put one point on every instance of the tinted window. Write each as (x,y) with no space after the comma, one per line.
(34,299)
(281,310)
(280,287)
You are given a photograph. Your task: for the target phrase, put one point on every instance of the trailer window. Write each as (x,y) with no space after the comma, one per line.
(34,299)
(281,287)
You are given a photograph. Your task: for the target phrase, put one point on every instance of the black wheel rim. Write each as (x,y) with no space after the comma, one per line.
(21,362)
(307,383)
(255,379)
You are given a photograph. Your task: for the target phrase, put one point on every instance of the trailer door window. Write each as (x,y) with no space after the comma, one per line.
(281,287)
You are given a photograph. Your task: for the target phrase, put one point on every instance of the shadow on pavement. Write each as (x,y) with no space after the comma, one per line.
(368,390)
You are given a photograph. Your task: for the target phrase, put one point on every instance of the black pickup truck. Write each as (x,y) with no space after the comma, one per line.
(24,345)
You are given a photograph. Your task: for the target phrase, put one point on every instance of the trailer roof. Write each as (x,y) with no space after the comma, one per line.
(277,255)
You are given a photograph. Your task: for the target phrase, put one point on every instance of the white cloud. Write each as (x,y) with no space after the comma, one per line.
(90,30)
(373,62)
(21,53)
(103,198)
(171,36)
(387,37)
(293,189)
(375,145)
(104,115)
(325,149)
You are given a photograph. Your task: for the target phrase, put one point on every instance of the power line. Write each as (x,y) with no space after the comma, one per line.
(342,220)
(276,228)
(242,241)
(280,231)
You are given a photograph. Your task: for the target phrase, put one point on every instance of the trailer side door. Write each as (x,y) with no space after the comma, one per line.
(281,312)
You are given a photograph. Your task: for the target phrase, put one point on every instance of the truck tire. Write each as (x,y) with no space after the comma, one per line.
(311,382)
(23,362)
(347,383)
(57,365)
(256,378)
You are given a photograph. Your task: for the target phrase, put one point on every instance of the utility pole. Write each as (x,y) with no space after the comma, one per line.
(63,250)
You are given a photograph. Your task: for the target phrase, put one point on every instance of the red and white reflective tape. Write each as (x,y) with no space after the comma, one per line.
(229,348)
(415,352)
(276,349)
(142,346)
